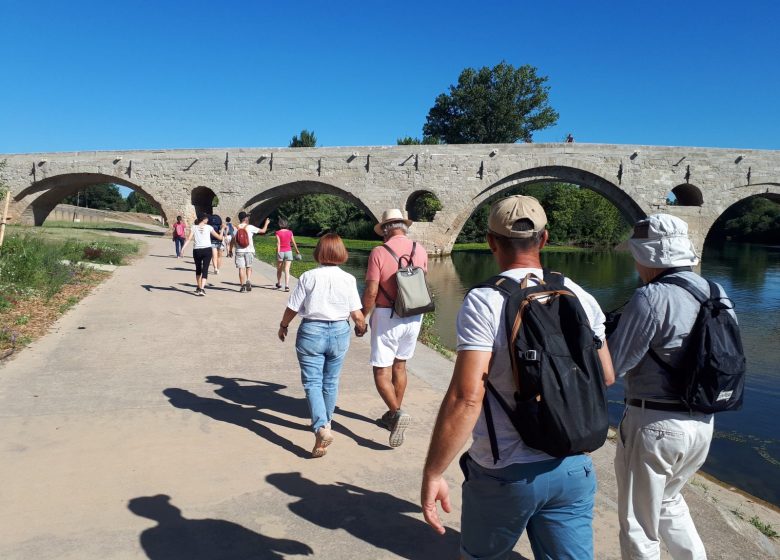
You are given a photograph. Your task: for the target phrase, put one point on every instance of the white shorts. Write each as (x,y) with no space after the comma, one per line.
(392,337)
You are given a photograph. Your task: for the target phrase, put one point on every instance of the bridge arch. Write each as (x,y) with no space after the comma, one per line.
(263,204)
(551,174)
(202,199)
(412,211)
(39,199)
(688,195)
(770,191)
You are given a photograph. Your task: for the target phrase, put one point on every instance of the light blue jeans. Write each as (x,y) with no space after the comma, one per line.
(321,347)
(552,499)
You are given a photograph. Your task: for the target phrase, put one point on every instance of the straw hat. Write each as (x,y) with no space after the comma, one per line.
(392,215)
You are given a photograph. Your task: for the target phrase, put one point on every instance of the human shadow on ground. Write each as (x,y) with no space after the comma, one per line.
(252,419)
(209,285)
(267,395)
(180,268)
(177,538)
(149,288)
(377,518)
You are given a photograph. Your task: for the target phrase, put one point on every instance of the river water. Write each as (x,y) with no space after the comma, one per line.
(745,451)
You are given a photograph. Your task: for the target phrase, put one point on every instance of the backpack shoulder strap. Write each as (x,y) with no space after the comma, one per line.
(687,286)
(553,279)
(502,284)
(389,250)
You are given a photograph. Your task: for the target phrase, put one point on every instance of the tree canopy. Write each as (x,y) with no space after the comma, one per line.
(306,140)
(138,203)
(576,216)
(102,197)
(502,104)
(414,141)
(752,220)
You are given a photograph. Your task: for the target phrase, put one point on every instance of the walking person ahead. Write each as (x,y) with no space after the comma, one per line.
(325,297)
(509,486)
(203,234)
(662,442)
(179,235)
(285,241)
(245,254)
(393,338)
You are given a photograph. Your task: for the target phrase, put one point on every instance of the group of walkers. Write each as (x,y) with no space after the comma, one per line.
(212,239)
(510,486)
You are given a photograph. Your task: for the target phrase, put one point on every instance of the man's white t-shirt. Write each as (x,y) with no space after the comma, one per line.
(480,327)
(325,293)
(251,231)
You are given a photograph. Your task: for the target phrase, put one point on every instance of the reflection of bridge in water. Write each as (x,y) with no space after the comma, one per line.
(637,179)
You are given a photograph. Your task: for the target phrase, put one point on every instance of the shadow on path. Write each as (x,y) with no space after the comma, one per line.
(250,418)
(376,518)
(149,288)
(267,395)
(178,538)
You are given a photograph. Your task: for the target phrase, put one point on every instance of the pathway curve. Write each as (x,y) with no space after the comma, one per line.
(124,438)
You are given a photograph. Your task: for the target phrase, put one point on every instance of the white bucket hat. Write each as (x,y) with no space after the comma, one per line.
(661,241)
(392,215)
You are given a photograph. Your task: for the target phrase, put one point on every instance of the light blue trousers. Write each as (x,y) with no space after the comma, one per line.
(321,347)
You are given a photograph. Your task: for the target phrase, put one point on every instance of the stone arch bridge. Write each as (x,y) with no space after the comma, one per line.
(636,179)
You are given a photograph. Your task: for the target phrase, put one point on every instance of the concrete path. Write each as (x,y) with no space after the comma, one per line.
(151,423)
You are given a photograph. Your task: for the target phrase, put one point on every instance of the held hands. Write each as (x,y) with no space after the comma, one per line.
(361,330)
(434,489)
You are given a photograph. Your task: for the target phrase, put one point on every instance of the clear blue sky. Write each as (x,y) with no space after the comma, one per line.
(143,75)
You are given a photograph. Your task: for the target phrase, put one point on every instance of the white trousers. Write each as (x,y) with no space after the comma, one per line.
(657,452)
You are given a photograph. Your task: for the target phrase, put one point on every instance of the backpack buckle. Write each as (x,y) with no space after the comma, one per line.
(530,356)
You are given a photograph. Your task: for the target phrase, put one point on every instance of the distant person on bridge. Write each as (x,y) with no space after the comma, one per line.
(179,235)
(393,338)
(325,297)
(203,234)
(245,254)
(285,241)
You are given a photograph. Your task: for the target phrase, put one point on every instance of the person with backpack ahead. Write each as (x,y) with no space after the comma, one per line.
(244,249)
(393,337)
(557,347)
(662,440)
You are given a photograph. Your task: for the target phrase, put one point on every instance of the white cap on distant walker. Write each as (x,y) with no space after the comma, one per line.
(505,213)
(661,241)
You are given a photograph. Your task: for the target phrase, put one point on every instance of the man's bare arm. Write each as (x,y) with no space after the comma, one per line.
(369,297)
(458,414)
(606,364)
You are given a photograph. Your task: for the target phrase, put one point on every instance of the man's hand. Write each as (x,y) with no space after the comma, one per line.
(361,331)
(282,333)
(434,489)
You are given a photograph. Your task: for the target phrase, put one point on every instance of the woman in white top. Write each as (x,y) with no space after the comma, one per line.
(202,233)
(325,297)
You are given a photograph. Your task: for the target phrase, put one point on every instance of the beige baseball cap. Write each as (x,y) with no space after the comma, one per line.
(506,212)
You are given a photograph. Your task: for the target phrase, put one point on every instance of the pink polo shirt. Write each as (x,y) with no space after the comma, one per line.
(382,266)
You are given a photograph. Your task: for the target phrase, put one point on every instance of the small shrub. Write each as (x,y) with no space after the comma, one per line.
(765,528)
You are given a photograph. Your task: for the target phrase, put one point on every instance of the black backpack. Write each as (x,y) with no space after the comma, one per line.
(560,398)
(713,366)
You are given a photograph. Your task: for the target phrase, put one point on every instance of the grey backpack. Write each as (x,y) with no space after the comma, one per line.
(414,296)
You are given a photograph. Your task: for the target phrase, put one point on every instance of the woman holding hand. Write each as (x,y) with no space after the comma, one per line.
(325,297)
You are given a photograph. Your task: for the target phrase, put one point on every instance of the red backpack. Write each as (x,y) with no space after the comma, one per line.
(242,237)
(178,228)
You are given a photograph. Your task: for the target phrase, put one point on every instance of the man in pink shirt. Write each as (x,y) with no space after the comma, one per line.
(393,338)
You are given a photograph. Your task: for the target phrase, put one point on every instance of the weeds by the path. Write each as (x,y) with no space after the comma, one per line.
(36,286)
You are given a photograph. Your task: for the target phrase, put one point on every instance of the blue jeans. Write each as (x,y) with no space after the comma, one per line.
(552,499)
(321,347)
(179,243)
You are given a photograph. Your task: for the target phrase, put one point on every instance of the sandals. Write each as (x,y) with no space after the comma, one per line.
(323,439)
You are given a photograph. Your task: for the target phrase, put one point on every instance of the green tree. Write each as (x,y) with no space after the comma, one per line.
(315,214)
(753,220)
(502,104)
(306,140)
(414,141)
(101,197)
(139,203)
(424,207)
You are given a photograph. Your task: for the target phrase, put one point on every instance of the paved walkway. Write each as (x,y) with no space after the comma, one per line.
(151,423)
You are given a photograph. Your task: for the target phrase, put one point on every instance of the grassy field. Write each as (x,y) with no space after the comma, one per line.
(483,247)
(112,226)
(36,286)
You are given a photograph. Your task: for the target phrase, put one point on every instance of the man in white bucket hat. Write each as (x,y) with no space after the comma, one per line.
(393,338)
(661,442)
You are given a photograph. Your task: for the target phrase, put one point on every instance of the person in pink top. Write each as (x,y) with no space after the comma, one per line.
(393,338)
(285,241)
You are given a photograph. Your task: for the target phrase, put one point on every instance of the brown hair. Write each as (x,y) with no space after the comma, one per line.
(330,249)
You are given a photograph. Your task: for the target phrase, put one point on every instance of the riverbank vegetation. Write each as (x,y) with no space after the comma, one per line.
(753,220)
(40,280)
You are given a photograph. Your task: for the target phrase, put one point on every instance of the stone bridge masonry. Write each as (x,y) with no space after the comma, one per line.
(637,179)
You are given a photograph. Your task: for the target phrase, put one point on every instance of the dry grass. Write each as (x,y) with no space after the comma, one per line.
(29,318)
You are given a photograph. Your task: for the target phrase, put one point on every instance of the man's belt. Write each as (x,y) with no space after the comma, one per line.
(655,405)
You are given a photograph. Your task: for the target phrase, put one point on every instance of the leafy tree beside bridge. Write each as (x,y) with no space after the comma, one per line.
(101,197)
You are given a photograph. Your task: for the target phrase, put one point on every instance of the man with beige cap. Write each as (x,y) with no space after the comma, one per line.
(661,442)
(518,488)
(393,338)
